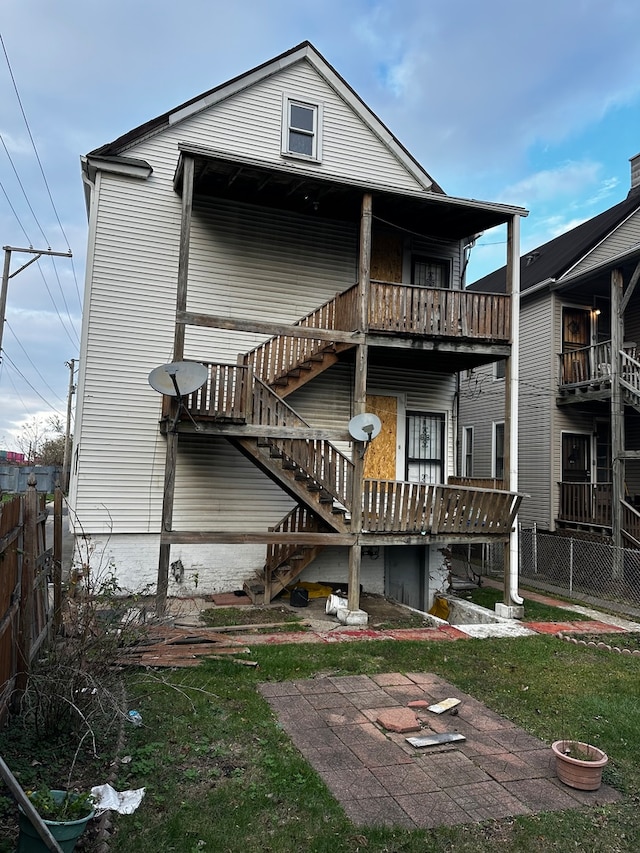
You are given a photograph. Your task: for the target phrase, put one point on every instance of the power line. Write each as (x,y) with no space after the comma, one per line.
(24,192)
(24,379)
(13,210)
(44,381)
(35,150)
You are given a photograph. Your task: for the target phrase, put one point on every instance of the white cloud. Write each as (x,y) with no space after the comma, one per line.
(566,180)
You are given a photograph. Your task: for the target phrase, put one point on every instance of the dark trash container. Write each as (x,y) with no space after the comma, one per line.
(299,597)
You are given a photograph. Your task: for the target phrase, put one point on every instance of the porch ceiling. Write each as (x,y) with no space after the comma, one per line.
(302,190)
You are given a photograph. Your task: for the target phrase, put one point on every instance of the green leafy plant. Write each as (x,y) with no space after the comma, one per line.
(62,805)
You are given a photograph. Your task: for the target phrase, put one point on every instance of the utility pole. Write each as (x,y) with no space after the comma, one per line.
(67,433)
(4,289)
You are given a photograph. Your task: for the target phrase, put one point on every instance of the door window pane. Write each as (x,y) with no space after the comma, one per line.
(425,447)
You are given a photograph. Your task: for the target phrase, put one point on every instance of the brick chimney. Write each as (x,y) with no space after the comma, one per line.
(635,171)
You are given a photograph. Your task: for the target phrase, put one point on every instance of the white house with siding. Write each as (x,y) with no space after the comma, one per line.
(276,232)
(579,436)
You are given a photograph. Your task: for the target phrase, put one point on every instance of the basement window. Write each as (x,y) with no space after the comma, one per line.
(301,129)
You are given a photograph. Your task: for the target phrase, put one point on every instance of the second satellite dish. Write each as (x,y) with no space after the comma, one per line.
(364,427)
(178,378)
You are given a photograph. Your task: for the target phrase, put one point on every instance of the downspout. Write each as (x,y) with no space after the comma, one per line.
(514,599)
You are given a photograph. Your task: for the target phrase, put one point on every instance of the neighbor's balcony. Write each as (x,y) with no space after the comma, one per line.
(585,504)
(590,367)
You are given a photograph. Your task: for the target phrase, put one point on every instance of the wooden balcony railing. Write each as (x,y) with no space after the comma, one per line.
(441,313)
(393,308)
(585,503)
(234,393)
(592,365)
(399,507)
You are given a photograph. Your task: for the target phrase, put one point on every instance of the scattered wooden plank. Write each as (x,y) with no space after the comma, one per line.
(435,740)
(445,705)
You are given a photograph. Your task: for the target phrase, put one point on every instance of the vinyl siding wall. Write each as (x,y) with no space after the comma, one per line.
(538,384)
(244,262)
(624,236)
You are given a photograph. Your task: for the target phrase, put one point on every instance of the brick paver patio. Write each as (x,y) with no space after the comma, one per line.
(381,780)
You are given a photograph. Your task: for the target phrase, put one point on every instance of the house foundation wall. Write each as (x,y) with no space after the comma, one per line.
(203,569)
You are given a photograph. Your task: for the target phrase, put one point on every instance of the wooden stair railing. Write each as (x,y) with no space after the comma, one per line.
(630,379)
(631,524)
(285,562)
(285,363)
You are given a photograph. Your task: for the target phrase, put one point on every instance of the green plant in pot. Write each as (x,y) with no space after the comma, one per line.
(579,764)
(66,814)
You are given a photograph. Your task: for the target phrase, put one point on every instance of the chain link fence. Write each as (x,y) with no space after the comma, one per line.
(580,568)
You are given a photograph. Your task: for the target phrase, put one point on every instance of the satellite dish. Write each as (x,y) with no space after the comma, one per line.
(178,378)
(364,427)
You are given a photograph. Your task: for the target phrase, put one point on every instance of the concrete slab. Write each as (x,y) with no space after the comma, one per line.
(496,629)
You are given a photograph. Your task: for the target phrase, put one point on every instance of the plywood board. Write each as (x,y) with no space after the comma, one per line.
(386,257)
(380,458)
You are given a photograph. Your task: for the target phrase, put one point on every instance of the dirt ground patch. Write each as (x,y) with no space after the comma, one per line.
(383,614)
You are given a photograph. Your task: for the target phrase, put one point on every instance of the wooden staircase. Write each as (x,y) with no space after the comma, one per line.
(312,471)
(285,562)
(286,363)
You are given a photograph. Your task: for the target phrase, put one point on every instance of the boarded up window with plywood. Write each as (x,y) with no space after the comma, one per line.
(386,257)
(380,458)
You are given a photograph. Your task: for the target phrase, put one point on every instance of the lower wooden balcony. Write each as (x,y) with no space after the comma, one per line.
(585,504)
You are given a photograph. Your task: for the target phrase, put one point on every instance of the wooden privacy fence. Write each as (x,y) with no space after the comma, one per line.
(26,611)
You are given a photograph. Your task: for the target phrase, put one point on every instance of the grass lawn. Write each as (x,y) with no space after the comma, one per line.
(220,774)
(534,611)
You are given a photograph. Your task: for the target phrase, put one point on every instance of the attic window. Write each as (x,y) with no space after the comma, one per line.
(301,129)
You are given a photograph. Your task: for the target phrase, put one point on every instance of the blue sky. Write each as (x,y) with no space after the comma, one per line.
(533,104)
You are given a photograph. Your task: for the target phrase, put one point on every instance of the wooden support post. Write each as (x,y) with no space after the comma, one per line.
(178,354)
(27,577)
(617,423)
(360,398)
(57,558)
(364,263)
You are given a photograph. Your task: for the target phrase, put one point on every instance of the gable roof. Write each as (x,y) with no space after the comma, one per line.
(305,51)
(552,260)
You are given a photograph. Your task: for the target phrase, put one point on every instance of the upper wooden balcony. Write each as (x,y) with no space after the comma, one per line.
(439,312)
(588,370)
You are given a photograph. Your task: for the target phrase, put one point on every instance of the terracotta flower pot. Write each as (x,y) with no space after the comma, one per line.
(585,775)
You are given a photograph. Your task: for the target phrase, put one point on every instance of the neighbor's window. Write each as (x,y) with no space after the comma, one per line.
(467,452)
(498,451)
(428,272)
(301,129)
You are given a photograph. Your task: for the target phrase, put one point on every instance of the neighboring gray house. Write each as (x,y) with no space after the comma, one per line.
(275,231)
(579,391)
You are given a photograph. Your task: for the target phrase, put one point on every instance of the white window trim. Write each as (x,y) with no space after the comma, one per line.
(287,99)
(494,459)
(467,449)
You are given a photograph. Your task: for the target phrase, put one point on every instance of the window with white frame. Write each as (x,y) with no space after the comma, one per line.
(301,129)
(498,451)
(499,369)
(467,452)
